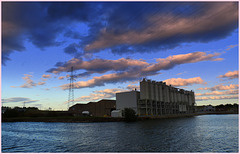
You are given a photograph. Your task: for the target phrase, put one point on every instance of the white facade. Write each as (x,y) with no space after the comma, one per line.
(127,100)
(116,113)
(156,98)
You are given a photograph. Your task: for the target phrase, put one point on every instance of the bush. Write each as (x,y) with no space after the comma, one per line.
(129,115)
(10,113)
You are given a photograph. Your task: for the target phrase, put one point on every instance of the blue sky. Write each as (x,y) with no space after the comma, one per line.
(112,46)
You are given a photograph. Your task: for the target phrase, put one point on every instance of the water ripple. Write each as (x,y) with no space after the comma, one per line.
(207,133)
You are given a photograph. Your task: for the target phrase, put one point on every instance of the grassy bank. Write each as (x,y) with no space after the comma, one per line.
(101,119)
(62,119)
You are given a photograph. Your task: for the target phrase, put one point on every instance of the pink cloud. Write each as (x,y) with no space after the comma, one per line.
(102,94)
(101,80)
(184,82)
(99,65)
(230,92)
(220,87)
(164,26)
(137,69)
(230,75)
(61,77)
(231,46)
(172,61)
(133,87)
(99,94)
(41,83)
(216,97)
(46,76)
(29,83)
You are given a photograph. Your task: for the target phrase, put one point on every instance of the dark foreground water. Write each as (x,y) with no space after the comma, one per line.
(206,133)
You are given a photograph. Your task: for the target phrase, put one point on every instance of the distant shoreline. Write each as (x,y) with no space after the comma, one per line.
(101,119)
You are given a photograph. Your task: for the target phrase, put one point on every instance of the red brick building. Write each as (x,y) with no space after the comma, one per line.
(98,109)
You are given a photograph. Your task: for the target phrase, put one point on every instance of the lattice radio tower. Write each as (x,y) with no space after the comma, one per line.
(71,89)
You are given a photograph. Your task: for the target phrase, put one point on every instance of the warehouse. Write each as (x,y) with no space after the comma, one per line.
(156,99)
(99,109)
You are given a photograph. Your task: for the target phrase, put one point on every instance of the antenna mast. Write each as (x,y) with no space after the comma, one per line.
(71,89)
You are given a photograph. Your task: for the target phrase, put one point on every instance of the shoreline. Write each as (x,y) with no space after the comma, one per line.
(103,119)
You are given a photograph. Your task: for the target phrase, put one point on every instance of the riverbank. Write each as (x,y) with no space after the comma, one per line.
(70,119)
(62,119)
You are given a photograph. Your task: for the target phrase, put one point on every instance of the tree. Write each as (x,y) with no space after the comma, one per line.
(129,115)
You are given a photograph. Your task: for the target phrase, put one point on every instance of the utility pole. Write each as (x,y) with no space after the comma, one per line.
(71,89)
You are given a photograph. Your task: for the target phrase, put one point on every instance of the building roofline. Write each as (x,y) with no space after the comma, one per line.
(128,92)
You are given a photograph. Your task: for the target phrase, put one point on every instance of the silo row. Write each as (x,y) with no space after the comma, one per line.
(157,98)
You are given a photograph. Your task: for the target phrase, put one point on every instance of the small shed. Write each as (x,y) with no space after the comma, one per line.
(116,113)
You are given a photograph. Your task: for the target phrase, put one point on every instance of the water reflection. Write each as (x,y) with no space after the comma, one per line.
(208,133)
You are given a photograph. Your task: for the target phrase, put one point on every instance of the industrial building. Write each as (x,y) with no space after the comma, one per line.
(127,100)
(156,99)
(99,109)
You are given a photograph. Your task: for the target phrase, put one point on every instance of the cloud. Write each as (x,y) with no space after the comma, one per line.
(130,70)
(231,46)
(120,26)
(41,83)
(166,30)
(29,83)
(97,65)
(133,87)
(103,94)
(179,74)
(72,49)
(216,98)
(230,92)
(46,76)
(61,77)
(230,75)
(221,87)
(40,23)
(123,64)
(18,99)
(99,94)
(172,61)
(184,82)
(23,22)
(102,80)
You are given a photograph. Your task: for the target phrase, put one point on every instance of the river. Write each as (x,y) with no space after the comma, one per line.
(205,133)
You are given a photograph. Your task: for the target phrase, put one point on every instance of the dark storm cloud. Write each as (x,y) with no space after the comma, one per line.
(69,10)
(72,48)
(73,34)
(23,21)
(38,23)
(123,27)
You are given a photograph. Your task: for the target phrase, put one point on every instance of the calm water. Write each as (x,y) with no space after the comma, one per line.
(207,133)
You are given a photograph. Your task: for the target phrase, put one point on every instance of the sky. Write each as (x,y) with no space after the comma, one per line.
(114,45)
